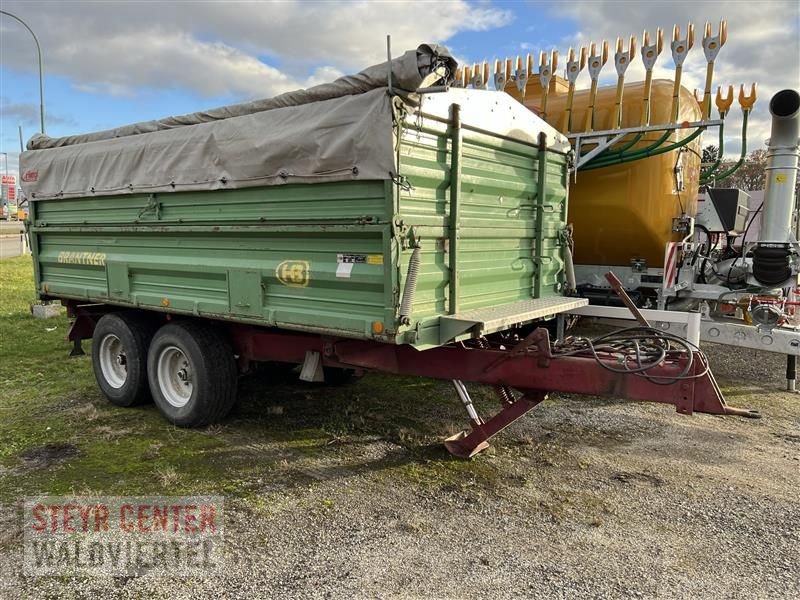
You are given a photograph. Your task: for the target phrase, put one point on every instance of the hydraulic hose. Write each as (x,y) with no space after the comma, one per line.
(627,145)
(740,162)
(705,174)
(646,153)
(617,153)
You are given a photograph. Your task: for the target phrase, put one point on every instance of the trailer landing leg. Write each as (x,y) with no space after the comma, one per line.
(698,393)
(639,363)
(468,444)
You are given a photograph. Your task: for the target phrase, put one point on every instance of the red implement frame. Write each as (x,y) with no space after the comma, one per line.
(529,367)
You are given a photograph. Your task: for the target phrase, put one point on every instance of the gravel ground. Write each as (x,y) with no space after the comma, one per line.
(584,498)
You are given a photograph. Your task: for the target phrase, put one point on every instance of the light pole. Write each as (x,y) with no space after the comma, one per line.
(41,69)
(3,214)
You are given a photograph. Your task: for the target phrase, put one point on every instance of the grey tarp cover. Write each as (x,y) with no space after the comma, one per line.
(331,132)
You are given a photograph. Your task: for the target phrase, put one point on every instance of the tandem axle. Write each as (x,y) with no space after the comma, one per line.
(190,366)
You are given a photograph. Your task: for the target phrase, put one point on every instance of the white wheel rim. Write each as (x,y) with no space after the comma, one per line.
(175,376)
(113,361)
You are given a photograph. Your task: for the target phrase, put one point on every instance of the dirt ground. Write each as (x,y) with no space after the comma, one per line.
(584,498)
(347,491)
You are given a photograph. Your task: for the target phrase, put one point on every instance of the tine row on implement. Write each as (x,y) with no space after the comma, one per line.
(614,142)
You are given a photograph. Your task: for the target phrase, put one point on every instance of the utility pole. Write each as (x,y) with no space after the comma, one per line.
(41,68)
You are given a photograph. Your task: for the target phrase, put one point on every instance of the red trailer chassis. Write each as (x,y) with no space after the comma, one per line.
(530,365)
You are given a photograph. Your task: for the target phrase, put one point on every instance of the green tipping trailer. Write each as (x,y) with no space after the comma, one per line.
(464,235)
(382,222)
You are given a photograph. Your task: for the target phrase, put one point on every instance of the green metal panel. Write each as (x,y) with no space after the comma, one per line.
(327,257)
(511,213)
(266,255)
(246,291)
(118,280)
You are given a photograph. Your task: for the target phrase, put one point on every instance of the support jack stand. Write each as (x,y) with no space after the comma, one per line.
(791,373)
(468,444)
(77,348)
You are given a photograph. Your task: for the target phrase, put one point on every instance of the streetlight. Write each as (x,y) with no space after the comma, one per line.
(41,70)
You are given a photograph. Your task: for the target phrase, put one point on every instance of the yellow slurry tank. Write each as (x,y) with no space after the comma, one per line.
(624,212)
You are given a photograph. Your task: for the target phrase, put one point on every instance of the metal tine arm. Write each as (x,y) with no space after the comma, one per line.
(465,73)
(711,48)
(596,63)
(650,52)
(574,68)
(746,103)
(500,77)
(545,75)
(723,106)
(458,78)
(622,60)
(522,73)
(480,76)
(680,48)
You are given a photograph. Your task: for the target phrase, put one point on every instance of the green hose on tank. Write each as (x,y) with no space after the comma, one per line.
(626,147)
(608,154)
(706,173)
(740,162)
(645,153)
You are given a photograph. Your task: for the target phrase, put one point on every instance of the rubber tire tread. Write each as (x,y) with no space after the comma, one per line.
(139,329)
(215,371)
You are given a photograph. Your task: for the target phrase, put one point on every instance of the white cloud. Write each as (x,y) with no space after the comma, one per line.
(117,47)
(323,75)
(27,114)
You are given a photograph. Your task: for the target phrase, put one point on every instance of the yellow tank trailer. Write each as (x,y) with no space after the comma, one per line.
(637,144)
(625,212)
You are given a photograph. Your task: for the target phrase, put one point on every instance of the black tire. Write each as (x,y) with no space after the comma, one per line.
(208,366)
(134,332)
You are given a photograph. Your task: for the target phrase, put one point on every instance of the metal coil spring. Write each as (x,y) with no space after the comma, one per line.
(410,288)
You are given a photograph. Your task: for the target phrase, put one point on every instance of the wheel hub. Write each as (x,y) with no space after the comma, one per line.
(174,372)
(113,362)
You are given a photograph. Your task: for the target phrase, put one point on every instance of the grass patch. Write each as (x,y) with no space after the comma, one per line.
(49,400)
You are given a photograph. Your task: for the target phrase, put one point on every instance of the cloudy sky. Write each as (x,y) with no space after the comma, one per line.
(110,63)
